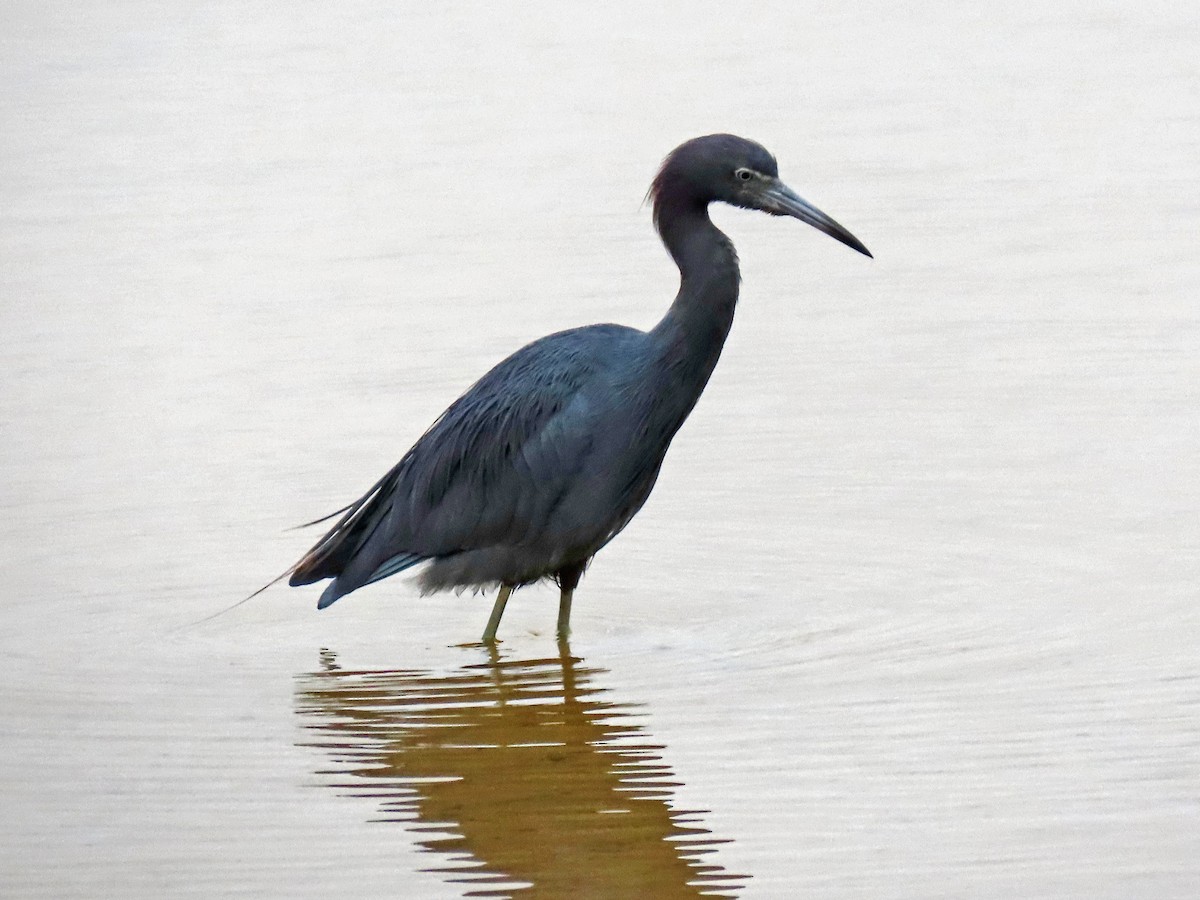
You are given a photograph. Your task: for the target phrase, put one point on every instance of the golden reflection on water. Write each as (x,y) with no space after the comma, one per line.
(523,777)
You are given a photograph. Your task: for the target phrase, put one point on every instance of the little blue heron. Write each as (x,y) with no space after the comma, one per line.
(549,455)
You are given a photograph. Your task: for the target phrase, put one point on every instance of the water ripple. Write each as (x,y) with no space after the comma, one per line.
(522,778)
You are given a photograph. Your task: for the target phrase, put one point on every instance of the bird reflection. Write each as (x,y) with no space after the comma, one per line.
(522,777)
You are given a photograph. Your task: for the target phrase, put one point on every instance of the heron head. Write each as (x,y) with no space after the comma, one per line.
(731,169)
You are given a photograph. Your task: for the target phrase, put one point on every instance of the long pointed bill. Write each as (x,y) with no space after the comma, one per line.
(781,200)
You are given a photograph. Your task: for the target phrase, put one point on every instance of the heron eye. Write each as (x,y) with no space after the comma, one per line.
(744,174)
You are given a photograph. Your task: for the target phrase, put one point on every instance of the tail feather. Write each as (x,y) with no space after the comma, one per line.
(329,595)
(336,512)
(330,555)
(233,606)
(397,563)
(337,589)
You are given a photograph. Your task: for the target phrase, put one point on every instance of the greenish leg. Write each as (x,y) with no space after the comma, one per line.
(489,633)
(564,614)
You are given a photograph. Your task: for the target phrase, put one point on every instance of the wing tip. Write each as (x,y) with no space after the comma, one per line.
(329,595)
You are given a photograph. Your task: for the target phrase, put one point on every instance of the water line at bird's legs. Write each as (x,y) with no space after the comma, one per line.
(564,614)
(489,633)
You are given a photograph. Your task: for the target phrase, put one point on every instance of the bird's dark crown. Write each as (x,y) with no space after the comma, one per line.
(703,170)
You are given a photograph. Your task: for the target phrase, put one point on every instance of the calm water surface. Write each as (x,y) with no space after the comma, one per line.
(913,610)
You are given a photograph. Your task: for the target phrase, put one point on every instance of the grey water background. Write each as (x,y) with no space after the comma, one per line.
(913,609)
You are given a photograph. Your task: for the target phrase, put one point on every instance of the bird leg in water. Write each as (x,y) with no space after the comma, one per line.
(564,613)
(568,580)
(489,633)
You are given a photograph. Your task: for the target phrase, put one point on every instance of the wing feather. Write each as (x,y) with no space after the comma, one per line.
(489,470)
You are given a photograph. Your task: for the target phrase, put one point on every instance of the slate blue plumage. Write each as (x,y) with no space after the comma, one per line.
(549,455)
